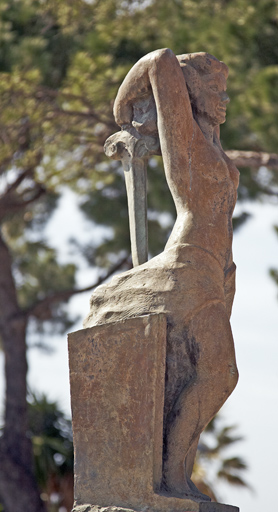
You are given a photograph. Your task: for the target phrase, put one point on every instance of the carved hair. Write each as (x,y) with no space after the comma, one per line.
(196,65)
(204,63)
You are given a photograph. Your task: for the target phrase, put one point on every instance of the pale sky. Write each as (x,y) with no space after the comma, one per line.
(253,405)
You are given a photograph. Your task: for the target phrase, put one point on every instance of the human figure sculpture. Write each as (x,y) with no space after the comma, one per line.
(193,279)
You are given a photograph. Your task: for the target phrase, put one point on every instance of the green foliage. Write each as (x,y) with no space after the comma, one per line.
(39,273)
(51,436)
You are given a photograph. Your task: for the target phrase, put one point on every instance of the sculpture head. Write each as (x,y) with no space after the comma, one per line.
(206,78)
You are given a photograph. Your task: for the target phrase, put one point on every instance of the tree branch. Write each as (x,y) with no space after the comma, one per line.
(74,113)
(5,162)
(253,159)
(11,206)
(13,186)
(38,310)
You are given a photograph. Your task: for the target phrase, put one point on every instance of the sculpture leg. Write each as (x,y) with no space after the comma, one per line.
(189,463)
(216,377)
(190,458)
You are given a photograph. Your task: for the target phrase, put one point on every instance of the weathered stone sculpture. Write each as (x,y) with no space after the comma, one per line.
(172,311)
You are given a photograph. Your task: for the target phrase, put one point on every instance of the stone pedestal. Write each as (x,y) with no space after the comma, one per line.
(117,374)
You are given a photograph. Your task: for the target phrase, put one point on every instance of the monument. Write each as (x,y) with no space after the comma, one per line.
(155,360)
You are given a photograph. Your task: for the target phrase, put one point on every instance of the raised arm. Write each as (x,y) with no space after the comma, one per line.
(159,74)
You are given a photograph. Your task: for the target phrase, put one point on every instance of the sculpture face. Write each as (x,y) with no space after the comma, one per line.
(212,99)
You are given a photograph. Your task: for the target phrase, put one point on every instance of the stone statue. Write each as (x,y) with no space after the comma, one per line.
(175,104)
(193,279)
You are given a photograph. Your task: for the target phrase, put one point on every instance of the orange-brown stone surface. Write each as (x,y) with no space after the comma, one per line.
(117,391)
(117,376)
(173,105)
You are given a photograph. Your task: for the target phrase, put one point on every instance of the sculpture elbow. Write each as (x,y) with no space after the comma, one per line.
(162,63)
(163,55)
(123,113)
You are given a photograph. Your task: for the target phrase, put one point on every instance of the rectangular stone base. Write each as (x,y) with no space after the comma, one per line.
(117,376)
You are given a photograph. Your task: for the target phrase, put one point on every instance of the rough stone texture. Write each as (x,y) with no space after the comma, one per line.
(203,507)
(174,105)
(117,389)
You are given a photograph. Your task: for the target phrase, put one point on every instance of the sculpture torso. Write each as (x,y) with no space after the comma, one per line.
(202,232)
(207,200)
